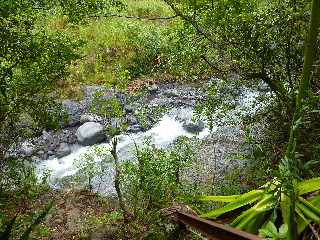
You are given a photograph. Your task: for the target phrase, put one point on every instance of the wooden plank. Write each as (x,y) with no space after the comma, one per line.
(213,230)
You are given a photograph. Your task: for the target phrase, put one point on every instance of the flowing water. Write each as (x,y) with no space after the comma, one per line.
(164,133)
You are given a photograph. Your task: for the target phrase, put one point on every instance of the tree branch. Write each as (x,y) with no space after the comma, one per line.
(199,29)
(214,67)
(136,17)
(275,87)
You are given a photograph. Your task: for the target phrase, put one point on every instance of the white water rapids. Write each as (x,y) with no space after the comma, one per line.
(164,133)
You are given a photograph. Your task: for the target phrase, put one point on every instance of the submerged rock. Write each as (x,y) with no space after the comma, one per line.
(90,133)
(193,127)
(63,150)
(135,128)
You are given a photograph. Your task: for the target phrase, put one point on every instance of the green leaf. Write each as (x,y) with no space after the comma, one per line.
(308,186)
(7,232)
(229,198)
(241,201)
(309,214)
(249,219)
(283,231)
(269,230)
(312,207)
(285,206)
(301,221)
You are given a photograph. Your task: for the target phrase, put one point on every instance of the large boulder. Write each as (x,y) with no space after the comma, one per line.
(90,133)
(193,126)
(63,150)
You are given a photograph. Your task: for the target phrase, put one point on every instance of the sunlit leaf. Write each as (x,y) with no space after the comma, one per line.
(216,198)
(243,200)
(308,186)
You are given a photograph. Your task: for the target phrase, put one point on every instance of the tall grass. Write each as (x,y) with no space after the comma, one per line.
(117,50)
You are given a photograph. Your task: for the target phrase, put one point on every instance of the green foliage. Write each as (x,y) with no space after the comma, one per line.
(32,60)
(19,179)
(147,8)
(91,164)
(107,107)
(5,234)
(266,199)
(269,231)
(155,178)
(153,182)
(82,9)
(110,108)
(118,50)
(255,36)
(147,116)
(10,228)
(241,200)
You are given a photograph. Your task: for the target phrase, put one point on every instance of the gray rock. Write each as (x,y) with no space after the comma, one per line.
(135,128)
(63,150)
(89,117)
(122,98)
(153,89)
(34,158)
(131,120)
(40,153)
(128,108)
(45,156)
(90,133)
(52,147)
(27,149)
(193,127)
(172,93)
(74,111)
(46,136)
(50,153)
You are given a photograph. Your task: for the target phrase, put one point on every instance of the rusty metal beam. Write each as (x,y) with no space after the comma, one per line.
(213,230)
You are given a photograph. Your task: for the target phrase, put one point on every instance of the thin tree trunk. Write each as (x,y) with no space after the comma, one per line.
(126,212)
(309,57)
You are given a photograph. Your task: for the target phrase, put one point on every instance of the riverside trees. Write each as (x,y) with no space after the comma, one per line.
(264,41)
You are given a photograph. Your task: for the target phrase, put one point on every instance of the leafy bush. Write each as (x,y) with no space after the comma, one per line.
(153,182)
(147,184)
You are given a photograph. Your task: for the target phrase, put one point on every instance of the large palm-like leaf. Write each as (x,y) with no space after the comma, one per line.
(308,186)
(266,199)
(242,200)
(302,222)
(250,219)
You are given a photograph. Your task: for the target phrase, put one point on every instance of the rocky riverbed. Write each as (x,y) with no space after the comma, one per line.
(163,112)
